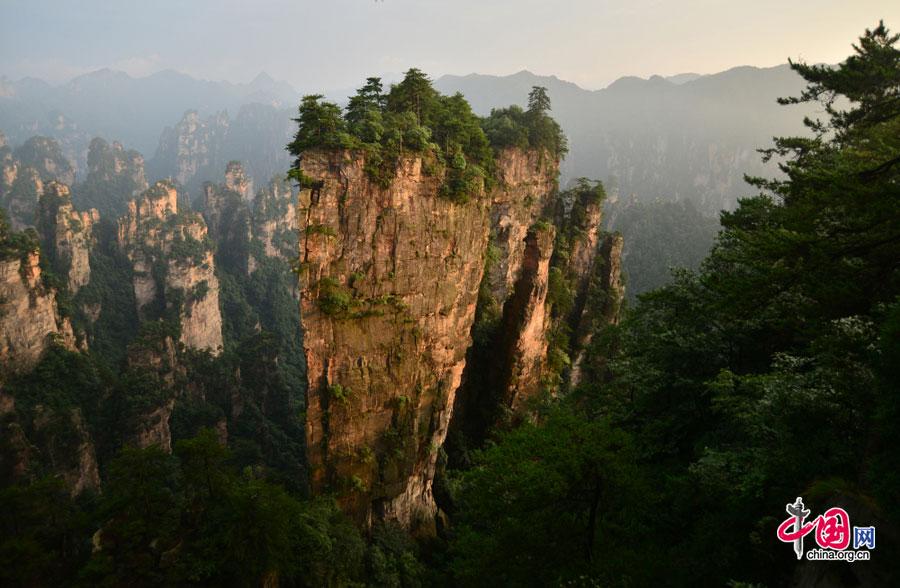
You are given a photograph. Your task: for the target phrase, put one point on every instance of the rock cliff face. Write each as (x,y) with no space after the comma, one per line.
(45,156)
(115,176)
(389,286)
(9,167)
(237,181)
(275,220)
(158,359)
(523,341)
(603,300)
(248,231)
(29,317)
(75,460)
(55,440)
(66,235)
(23,173)
(21,199)
(174,270)
(527,185)
(198,148)
(190,150)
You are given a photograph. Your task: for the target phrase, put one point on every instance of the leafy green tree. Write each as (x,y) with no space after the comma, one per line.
(44,535)
(414,94)
(773,348)
(141,510)
(320,124)
(538,101)
(550,503)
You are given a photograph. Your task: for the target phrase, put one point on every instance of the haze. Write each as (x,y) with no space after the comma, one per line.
(336,43)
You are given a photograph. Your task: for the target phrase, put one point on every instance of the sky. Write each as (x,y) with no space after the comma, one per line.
(332,44)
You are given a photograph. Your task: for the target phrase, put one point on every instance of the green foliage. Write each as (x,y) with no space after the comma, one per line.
(110,292)
(192,518)
(334,299)
(527,129)
(340,393)
(16,244)
(45,156)
(768,373)
(321,230)
(570,483)
(320,124)
(185,248)
(773,348)
(44,535)
(412,118)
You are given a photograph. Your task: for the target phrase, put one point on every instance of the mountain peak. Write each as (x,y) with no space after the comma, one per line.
(262,79)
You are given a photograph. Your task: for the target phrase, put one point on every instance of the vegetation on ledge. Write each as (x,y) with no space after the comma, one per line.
(413,118)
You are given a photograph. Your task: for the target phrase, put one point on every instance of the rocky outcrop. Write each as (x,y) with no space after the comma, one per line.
(21,199)
(567,285)
(389,284)
(29,317)
(113,163)
(190,151)
(44,155)
(523,349)
(237,181)
(604,301)
(74,458)
(66,235)
(56,440)
(227,215)
(115,176)
(521,198)
(158,358)
(275,220)
(9,167)
(246,232)
(174,270)
(198,148)
(589,262)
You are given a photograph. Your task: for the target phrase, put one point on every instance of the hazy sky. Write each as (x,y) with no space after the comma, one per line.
(330,44)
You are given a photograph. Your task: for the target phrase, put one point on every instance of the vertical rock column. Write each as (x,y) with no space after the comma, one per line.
(66,234)
(389,282)
(173,265)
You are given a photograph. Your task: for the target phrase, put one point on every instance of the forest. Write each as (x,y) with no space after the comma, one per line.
(770,370)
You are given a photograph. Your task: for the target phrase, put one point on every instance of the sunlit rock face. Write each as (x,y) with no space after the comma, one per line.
(389,281)
(29,316)
(173,265)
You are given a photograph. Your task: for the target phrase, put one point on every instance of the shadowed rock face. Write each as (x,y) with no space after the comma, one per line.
(67,235)
(389,286)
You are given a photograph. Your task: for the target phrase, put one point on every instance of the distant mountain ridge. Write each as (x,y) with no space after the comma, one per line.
(693,137)
(116,106)
(688,136)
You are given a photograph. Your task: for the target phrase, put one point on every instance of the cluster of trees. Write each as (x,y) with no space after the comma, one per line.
(414,118)
(768,373)
(195,517)
(533,128)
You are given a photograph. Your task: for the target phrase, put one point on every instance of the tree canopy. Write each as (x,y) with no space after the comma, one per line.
(412,118)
